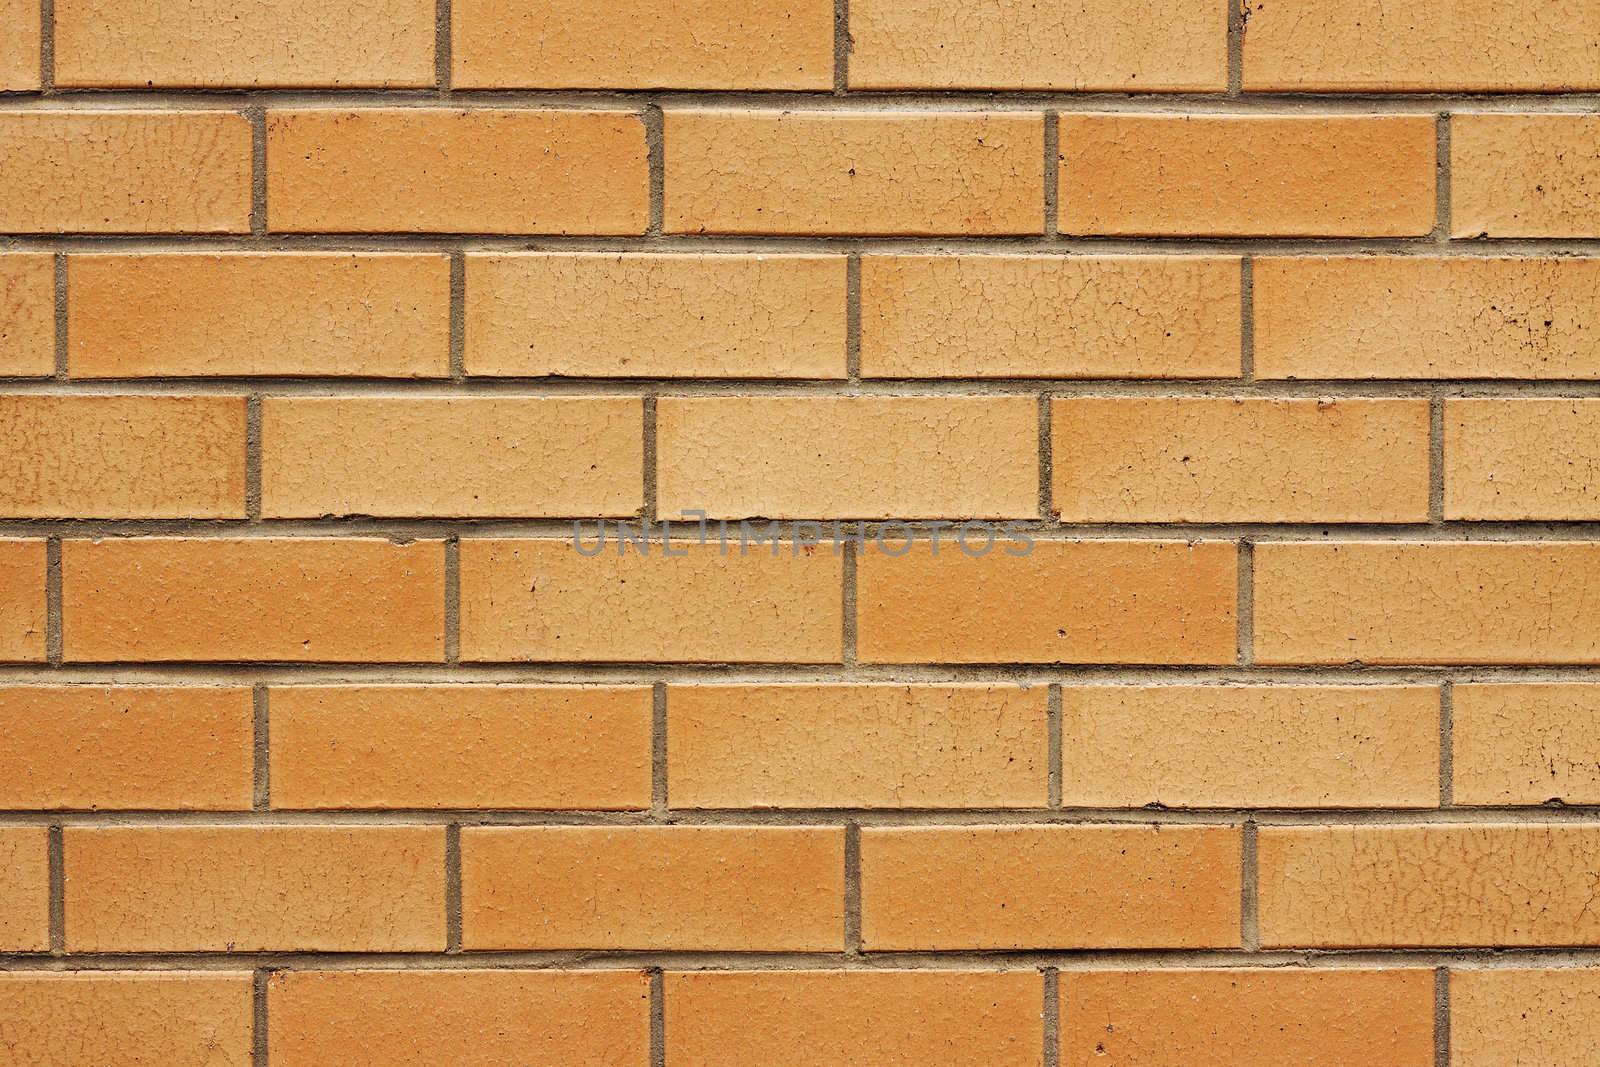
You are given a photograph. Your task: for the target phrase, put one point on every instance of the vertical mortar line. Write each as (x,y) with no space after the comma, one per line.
(257,114)
(655,140)
(47,46)
(258,1006)
(55,637)
(1249,891)
(1247,603)
(1447,726)
(261,781)
(852,888)
(1047,461)
(58,891)
(852,317)
(847,604)
(458,316)
(1436,458)
(1052,172)
(1236,23)
(1247,319)
(649,515)
(1441,226)
(452,599)
(442,46)
(658,1017)
(841,47)
(1441,1017)
(62,354)
(1052,1017)
(452,887)
(1054,772)
(658,750)
(252,457)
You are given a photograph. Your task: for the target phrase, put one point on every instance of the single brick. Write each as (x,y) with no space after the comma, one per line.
(1526,744)
(700,888)
(1256,746)
(235,315)
(856,746)
(1222,459)
(998,316)
(473,457)
(1247,1018)
(554,600)
(24,890)
(630,315)
(1037,887)
(1521,458)
(841,172)
(460,746)
(349,44)
(1241,175)
(27,314)
(125,747)
(22,601)
(1525,175)
(864,457)
(439,170)
(127,1018)
(1426,317)
(255,888)
(1430,602)
(642,44)
(1428,886)
(122,457)
(468,1018)
(307,599)
(1098,46)
(1047,601)
(855,1018)
(1517,1018)
(125,172)
(19,49)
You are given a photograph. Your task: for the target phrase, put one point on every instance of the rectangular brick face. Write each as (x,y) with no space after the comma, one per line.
(27,315)
(653,888)
(1498,459)
(22,601)
(1037,887)
(24,889)
(831,172)
(1503,1017)
(1524,175)
(1526,743)
(19,52)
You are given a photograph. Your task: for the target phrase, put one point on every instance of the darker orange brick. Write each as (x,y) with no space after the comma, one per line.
(27,314)
(24,889)
(22,600)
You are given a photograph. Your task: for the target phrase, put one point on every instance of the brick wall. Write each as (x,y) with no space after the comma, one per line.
(1262,341)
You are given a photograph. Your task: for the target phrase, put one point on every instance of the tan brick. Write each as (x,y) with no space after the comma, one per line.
(702,888)
(1061,602)
(1221,459)
(1521,459)
(1238,175)
(127,747)
(27,315)
(266,44)
(124,172)
(19,50)
(1424,886)
(473,457)
(854,1018)
(1257,746)
(482,1018)
(296,599)
(460,746)
(1432,602)
(438,170)
(122,457)
(1100,45)
(255,888)
(1426,317)
(996,316)
(544,600)
(626,315)
(1526,744)
(833,172)
(870,457)
(236,315)
(1247,1018)
(24,889)
(856,746)
(643,44)
(1018,887)
(22,601)
(127,1019)
(1525,175)
(1513,1018)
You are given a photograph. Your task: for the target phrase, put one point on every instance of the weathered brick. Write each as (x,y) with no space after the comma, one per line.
(24,888)
(19,50)
(1526,743)
(22,600)
(1511,1018)
(1521,458)
(1524,175)
(27,316)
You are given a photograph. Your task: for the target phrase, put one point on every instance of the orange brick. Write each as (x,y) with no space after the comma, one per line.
(128,747)
(1099,46)
(1525,175)
(255,888)
(1521,459)
(1063,602)
(472,457)
(1425,886)
(24,889)
(1506,1018)
(438,170)
(1426,317)
(995,316)
(271,44)
(543,600)
(626,315)
(1220,459)
(122,457)
(1526,744)
(296,599)
(952,1018)
(643,44)
(1433,602)
(460,746)
(856,746)
(124,172)
(235,315)
(1258,746)
(27,315)
(127,1019)
(872,457)
(19,51)
(836,172)
(481,1018)
(22,601)
(1238,175)
(1019,887)
(702,888)
(1252,1018)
